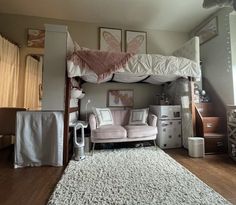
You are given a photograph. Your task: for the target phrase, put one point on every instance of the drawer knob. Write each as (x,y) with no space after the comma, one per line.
(209,125)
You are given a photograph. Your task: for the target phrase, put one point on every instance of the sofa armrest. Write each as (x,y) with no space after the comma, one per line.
(92,122)
(152,119)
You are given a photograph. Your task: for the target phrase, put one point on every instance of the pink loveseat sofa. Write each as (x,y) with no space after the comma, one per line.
(120,131)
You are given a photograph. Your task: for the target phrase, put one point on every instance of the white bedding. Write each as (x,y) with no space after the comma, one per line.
(163,68)
(157,68)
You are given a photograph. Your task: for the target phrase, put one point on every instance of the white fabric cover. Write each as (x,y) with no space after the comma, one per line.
(39,139)
(138,116)
(104,116)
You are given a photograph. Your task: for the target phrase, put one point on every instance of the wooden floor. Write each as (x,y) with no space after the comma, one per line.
(26,186)
(217,171)
(35,185)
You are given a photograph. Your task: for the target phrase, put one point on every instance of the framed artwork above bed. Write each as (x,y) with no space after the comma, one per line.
(136,42)
(110,39)
(120,98)
(35,38)
(208,31)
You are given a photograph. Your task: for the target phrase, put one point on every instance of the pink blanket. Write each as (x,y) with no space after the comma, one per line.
(102,63)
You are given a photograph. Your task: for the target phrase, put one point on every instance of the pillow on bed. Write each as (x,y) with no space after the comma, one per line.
(104,116)
(138,116)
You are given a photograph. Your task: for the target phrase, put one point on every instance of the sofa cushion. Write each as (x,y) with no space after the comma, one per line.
(109,132)
(104,116)
(134,131)
(138,116)
(120,117)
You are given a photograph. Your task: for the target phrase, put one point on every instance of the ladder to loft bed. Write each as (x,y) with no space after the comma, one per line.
(68,146)
(211,121)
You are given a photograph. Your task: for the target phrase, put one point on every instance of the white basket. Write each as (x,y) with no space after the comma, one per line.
(196,147)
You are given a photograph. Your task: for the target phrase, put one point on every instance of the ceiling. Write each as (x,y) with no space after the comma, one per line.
(171,15)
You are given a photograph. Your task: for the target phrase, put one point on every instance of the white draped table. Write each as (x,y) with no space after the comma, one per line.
(39,138)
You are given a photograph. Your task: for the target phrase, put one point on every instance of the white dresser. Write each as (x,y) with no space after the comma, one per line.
(169,125)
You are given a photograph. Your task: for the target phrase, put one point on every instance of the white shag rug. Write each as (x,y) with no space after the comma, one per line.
(131,176)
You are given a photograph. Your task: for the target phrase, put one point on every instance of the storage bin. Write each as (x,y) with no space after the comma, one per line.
(196,147)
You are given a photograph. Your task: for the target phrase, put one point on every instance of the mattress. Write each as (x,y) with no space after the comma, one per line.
(150,68)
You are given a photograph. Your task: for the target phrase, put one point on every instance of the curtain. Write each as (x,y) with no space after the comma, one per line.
(9,73)
(33,81)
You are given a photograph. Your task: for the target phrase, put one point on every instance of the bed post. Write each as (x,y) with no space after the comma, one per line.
(68,85)
(191,80)
(55,52)
(66,121)
(56,84)
(68,111)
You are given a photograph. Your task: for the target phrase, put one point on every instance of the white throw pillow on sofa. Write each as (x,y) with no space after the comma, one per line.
(138,116)
(104,116)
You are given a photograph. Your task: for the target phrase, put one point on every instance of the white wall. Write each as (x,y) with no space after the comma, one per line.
(144,94)
(86,34)
(54,68)
(216,58)
(233,49)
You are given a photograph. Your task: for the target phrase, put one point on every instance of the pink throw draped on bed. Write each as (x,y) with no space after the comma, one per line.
(103,63)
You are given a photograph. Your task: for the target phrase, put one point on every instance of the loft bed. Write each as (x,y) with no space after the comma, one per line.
(147,68)
(58,78)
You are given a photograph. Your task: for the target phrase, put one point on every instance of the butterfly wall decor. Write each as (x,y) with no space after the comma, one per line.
(110,39)
(136,42)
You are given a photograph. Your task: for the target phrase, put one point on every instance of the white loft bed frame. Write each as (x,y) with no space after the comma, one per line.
(56,85)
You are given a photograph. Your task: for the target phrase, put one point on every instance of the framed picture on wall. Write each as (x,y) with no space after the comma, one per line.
(136,42)
(36,38)
(208,31)
(120,98)
(110,39)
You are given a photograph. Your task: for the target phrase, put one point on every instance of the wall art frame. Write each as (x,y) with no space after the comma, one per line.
(35,38)
(120,98)
(208,31)
(110,39)
(136,42)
